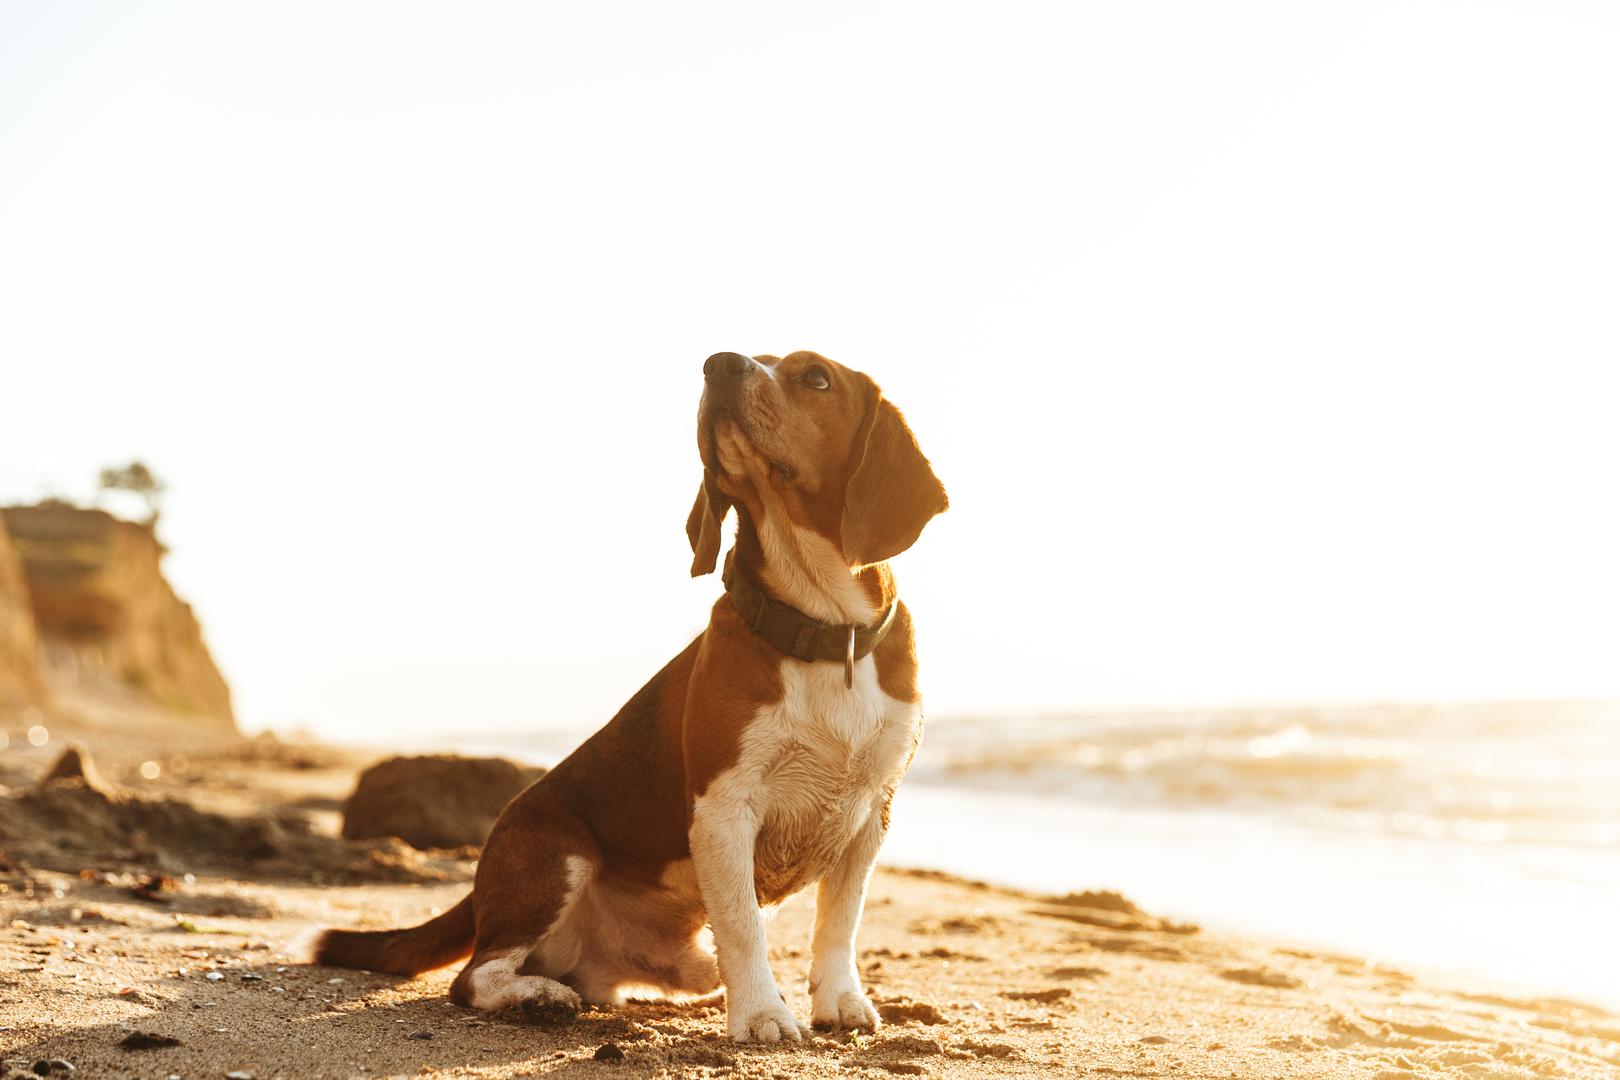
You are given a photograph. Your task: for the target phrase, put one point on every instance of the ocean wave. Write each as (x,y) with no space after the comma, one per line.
(1486,774)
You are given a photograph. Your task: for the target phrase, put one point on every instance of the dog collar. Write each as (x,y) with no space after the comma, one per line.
(791,631)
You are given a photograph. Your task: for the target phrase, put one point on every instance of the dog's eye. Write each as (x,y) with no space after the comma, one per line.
(815,378)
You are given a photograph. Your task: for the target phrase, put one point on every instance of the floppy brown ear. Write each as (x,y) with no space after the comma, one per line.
(893,492)
(703,525)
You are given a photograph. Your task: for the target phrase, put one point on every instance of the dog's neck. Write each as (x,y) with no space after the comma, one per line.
(805,570)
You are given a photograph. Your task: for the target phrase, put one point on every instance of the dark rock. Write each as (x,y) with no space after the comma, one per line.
(421,1035)
(436,801)
(146,1040)
(153,886)
(608,1052)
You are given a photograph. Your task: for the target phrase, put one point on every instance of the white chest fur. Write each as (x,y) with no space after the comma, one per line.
(814,766)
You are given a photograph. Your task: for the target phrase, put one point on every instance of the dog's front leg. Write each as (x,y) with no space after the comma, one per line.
(722,841)
(836,1000)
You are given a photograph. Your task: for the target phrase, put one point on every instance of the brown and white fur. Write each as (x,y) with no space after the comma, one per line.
(737,775)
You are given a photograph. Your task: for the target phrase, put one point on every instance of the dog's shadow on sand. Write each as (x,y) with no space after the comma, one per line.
(305,1021)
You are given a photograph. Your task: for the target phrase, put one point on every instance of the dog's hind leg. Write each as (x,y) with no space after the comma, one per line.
(532,875)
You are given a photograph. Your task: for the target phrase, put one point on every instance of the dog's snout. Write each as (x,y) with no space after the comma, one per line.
(726,365)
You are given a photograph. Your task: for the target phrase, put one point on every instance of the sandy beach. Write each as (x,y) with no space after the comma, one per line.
(147,927)
(1124,482)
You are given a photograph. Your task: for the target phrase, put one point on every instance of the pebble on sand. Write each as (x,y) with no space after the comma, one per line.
(609,1052)
(146,1040)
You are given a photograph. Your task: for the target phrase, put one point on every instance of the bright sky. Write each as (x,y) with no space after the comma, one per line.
(1267,350)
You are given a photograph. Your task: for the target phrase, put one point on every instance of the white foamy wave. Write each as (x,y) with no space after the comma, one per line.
(1541,773)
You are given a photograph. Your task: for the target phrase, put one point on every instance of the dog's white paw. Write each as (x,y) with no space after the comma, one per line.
(766,1022)
(547,1002)
(849,1010)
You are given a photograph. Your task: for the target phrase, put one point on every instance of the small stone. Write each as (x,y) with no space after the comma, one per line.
(239,1074)
(214,976)
(146,1040)
(248,976)
(608,1052)
(420,1035)
(334,982)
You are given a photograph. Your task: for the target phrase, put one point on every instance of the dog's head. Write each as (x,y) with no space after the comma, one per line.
(811,440)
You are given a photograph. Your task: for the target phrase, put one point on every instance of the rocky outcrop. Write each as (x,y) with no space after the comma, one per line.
(72,818)
(19,648)
(98,593)
(438,801)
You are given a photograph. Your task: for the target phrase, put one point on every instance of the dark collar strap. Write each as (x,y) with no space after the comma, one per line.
(791,631)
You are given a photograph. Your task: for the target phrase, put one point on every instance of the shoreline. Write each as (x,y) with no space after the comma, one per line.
(1250,872)
(1295,886)
(972,979)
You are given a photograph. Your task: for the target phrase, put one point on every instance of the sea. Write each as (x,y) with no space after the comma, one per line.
(1476,842)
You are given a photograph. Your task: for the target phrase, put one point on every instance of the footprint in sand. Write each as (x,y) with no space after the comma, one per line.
(1261,977)
(910,1012)
(1056,993)
(911,1045)
(977,923)
(977,1049)
(1081,972)
(1135,947)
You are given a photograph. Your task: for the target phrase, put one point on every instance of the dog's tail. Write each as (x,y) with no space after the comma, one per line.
(441,940)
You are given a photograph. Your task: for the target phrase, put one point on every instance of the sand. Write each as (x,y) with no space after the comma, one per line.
(114,960)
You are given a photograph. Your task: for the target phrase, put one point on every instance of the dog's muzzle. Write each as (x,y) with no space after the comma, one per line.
(724,368)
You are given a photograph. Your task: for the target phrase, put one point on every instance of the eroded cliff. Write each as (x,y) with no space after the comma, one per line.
(100,600)
(19,646)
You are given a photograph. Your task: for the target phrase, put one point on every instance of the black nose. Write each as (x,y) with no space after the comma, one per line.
(726,365)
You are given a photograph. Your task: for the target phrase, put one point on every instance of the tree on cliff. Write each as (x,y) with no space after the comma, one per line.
(139,480)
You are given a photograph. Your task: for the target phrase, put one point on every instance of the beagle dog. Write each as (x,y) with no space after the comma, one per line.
(760,760)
